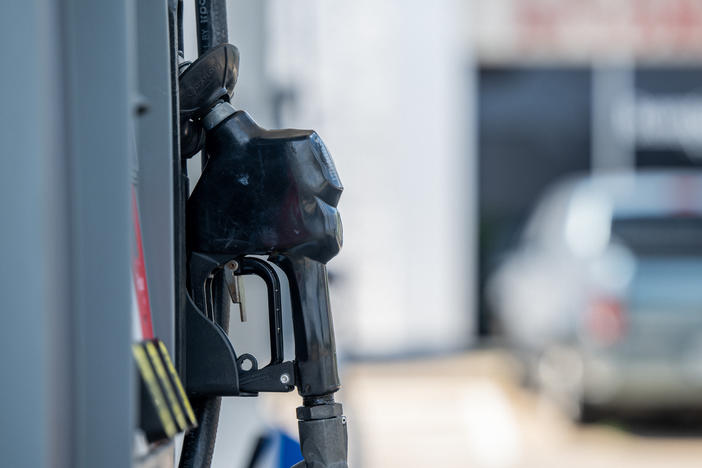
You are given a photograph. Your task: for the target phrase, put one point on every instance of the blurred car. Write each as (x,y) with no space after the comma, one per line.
(604,293)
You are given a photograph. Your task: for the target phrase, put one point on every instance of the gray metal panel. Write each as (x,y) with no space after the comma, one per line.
(99,95)
(155,175)
(34,344)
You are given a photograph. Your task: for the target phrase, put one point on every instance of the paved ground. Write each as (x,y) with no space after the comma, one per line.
(469,411)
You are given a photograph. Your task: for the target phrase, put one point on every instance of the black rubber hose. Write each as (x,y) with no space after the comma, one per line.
(198,445)
(211,20)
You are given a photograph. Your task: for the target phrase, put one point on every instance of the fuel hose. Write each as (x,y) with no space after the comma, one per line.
(198,445)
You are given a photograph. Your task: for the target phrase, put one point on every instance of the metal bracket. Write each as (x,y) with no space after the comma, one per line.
(212,367)
(272,378)
(210,360)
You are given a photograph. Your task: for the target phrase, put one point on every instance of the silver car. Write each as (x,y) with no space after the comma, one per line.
(604,293)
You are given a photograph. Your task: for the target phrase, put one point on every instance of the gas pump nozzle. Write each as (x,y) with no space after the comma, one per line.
(275,192)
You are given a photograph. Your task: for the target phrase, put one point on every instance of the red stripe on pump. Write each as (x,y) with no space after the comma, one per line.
(139,275)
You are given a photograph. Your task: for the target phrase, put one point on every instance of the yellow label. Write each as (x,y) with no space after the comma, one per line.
(161,372)
(178,383)
(154,389)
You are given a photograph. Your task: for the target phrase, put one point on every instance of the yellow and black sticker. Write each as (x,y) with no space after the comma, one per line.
(175,380)
(154,390)
(165,382)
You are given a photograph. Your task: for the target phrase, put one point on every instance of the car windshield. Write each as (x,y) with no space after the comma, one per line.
(679,235)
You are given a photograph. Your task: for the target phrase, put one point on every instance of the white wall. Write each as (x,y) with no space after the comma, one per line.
(388,86)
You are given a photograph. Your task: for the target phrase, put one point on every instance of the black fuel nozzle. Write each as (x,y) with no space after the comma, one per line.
(275,193)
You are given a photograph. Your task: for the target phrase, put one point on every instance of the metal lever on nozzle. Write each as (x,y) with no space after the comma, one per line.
(235,288)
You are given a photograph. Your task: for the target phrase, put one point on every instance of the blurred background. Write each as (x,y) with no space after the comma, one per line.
(520,279)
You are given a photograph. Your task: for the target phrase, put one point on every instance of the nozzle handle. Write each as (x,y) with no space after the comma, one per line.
(315,347)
